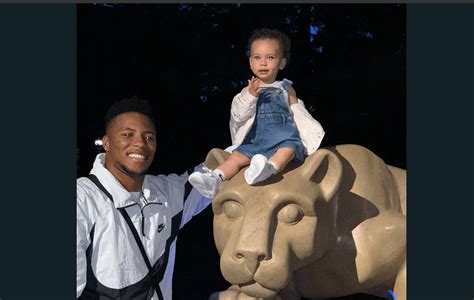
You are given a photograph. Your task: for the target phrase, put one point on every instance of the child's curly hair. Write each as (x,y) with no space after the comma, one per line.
(273,34)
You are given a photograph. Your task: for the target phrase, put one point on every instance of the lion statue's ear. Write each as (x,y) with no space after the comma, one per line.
(324,168)
(215,157)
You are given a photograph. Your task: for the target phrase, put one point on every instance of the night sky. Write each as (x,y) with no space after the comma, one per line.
(347,64)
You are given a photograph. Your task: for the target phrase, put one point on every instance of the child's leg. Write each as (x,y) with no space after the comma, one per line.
(282,157)
(233,164)
(209,184)
(260,168)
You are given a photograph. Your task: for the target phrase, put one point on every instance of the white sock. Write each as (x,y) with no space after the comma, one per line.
(272,164)
(219,174)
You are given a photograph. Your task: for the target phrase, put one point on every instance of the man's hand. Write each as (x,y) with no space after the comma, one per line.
(254,83)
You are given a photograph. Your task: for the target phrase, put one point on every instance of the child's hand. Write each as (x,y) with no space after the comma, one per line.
(254,83)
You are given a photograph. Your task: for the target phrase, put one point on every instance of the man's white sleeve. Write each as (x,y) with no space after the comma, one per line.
(83,228)
(194,202)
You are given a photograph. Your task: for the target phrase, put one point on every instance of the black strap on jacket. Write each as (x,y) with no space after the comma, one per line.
(125,215)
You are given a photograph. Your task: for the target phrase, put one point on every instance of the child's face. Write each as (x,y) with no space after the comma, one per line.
(266,59)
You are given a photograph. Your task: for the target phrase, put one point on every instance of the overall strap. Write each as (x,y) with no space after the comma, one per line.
(125,215)
(286,83)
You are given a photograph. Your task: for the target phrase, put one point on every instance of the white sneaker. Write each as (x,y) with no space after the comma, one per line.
(259,170)
(208,184)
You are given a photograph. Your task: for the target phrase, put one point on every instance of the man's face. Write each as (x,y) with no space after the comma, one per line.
(130,144)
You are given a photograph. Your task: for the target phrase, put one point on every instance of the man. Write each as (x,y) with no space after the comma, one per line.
(127,222)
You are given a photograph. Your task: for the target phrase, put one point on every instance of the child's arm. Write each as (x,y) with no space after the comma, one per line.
(292,96)
(243,106)
(311,131)
(244,103)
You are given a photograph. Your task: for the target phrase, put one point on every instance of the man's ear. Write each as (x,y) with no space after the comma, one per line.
(283,64)
(105,143)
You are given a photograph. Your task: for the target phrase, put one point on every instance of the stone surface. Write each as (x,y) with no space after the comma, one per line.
(332,226)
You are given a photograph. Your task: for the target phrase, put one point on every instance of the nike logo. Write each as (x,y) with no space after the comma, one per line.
(161,227)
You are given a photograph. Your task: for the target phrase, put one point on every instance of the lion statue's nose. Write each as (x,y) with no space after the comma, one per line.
(251,258)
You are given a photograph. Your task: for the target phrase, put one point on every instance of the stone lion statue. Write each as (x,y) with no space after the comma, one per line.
(332,226)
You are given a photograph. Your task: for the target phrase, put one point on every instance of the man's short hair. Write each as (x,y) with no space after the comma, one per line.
(133,104)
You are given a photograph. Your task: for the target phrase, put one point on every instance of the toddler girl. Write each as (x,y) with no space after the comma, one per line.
(269,125)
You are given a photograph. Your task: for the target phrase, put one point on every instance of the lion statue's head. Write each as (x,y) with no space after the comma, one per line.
(267,231)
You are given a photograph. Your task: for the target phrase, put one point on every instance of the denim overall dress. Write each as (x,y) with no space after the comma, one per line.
(273,127)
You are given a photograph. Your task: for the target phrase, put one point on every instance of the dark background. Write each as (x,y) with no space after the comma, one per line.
(39,154)
(347,63)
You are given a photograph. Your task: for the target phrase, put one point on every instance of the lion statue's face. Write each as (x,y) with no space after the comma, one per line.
(267,231)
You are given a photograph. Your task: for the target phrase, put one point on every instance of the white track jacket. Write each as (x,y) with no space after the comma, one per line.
(110,264)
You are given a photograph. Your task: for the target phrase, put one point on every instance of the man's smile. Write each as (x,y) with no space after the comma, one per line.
(137,156)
